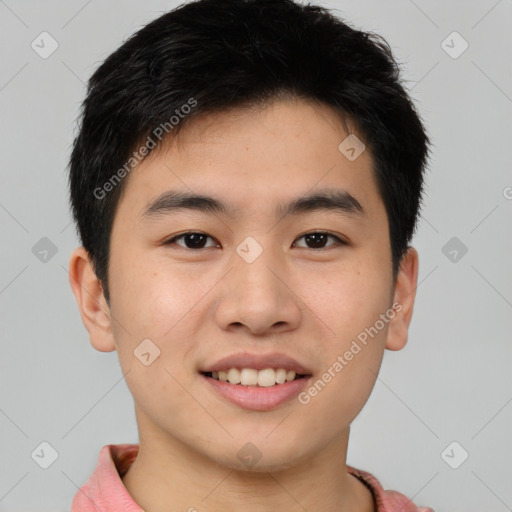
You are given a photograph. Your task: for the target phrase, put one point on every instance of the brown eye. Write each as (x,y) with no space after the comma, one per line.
(317,239)
(192,240)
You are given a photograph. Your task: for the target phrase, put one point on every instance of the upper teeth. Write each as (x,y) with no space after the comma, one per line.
(251,377)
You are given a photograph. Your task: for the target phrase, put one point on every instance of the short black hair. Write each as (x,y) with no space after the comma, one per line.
(209,56)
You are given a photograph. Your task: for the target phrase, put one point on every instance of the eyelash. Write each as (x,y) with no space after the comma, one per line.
(173,240)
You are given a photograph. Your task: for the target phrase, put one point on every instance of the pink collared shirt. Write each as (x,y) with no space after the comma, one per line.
(105,490)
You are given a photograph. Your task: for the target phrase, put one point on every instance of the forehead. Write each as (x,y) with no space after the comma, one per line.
(285,150)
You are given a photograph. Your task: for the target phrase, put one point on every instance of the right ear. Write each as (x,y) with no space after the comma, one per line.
(93,307)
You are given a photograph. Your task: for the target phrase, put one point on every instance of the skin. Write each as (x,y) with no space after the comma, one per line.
(307,302)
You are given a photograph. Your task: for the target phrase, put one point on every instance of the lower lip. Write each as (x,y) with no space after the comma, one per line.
(258,398)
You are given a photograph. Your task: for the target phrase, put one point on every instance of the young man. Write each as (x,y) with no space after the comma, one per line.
(246,181)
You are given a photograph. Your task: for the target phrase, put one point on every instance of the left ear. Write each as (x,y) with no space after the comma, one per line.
(403,302)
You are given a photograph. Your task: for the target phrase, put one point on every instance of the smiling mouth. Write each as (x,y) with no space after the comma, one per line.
(251,377)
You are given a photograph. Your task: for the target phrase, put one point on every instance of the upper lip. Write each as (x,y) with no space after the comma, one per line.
(257,362)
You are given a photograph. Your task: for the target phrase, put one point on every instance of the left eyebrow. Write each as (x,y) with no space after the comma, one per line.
(337,200)
(340,201)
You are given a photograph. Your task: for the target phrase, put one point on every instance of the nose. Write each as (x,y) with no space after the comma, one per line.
(257,298)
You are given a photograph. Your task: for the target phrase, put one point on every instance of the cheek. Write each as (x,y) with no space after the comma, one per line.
(162,307)
(351,306)
(343,385)
(151,296)
(348,299)
(174,300)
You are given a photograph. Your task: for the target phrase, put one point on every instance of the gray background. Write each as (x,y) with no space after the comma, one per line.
(452,382)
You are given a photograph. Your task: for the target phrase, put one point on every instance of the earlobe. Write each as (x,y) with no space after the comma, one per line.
(93,307)
(405,293)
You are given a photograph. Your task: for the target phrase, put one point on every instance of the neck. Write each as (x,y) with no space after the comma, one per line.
(168,474)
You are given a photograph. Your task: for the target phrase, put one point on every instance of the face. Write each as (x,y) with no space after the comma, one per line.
(245,274)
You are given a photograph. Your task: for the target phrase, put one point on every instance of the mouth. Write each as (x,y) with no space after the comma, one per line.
(256,382)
